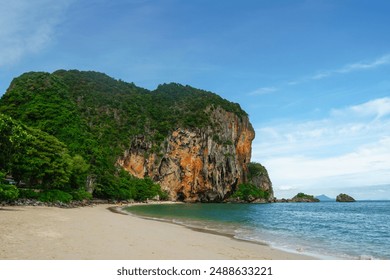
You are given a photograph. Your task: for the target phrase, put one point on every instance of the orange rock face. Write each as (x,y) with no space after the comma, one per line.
(196,164)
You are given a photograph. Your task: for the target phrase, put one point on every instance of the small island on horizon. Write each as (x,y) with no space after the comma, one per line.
(344,198)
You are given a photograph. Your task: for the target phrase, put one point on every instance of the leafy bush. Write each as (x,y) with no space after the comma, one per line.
(124,186)
(146,189)
(164,195)
(80,195)
(249,192)
(55,196)
(28,193)
(8,192)
(115,192)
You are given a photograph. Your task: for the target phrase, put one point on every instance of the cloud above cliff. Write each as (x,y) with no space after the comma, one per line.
(357,66)
(349,148)
(363,65)
(28,27)
(262,91)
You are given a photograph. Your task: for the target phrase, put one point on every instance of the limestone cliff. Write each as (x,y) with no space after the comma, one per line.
(196,144)
(203,164)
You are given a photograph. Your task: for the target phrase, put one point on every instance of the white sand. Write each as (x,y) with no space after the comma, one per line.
(95,233)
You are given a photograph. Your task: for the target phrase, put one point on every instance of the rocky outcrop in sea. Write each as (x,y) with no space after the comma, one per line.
(344,198)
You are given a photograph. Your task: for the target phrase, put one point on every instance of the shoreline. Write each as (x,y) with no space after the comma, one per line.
(96,233)
(121,211)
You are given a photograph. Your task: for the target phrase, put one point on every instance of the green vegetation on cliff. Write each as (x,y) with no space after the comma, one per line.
(250,192)
(59,129)
(256,170)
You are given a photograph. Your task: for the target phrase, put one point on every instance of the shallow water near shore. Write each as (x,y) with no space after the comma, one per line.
(328,230)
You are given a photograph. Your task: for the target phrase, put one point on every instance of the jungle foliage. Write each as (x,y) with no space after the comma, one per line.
(250,192)
(57,129)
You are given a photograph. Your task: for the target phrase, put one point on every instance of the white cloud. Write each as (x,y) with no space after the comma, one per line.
(357,124)
(321,75)
(349,68)
(28,27)
(349,167)
(377,108)
(262,91)
(351,147)
(286,188)
(358,66)
(384,60)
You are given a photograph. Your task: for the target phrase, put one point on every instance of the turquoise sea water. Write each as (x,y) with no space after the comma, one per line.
(330,230)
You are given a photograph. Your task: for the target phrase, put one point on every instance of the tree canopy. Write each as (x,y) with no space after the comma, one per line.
(59,128)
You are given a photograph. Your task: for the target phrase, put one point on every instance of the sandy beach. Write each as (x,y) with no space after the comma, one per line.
(96,233)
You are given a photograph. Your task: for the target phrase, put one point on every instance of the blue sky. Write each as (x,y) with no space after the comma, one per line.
(313,75)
